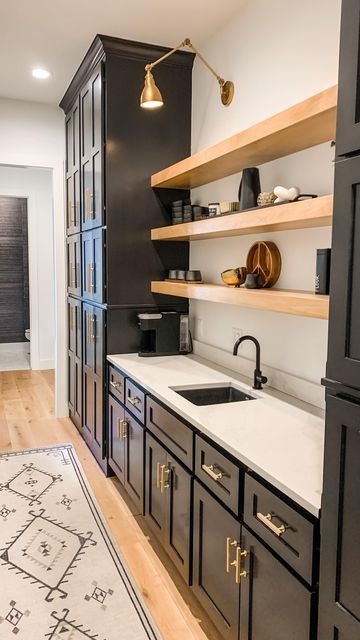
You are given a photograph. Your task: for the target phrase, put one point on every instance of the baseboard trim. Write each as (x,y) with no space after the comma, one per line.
(286,383)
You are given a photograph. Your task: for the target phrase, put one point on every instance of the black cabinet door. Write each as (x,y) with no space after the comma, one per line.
(215,532)
(339,615)
(72,170)
(134,437)
(75,360)
(75,327)
(74,264)
(93,389)
(348,111)
(91,152)
(177,484)
(344,335)
(274,603)
(155,499)
(92,265)
(116,449)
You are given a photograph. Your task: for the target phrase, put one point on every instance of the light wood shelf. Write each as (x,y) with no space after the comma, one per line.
(304,125)
(303,214)
(299,303)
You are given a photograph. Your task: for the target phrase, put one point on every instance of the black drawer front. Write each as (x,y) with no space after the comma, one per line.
(218,473)
(173,433)
(280,526)
(135,400)
(116,384)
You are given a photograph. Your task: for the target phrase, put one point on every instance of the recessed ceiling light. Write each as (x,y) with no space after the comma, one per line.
(41,74)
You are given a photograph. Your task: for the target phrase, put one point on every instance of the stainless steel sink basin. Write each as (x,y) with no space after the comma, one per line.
(214,395)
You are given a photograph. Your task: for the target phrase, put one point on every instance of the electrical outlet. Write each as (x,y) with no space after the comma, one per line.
(199,328)
(236,334)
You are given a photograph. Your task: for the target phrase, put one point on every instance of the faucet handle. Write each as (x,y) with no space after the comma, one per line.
(259,379)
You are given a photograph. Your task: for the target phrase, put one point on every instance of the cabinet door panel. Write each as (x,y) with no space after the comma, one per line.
(69,143)
(88,337)
(116,442)
(274,604)
(155,504)
(92,252)
(178,514)
(92,142)
(212,584)
(340,523)
(78,393)
(71,384)
(96,204)
(72,160)
(344,336)
(76,218)
(85,123)
(88,406)
(348,111)
(74,264)
(134,476)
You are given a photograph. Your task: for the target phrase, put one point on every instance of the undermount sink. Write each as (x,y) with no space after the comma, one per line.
(214,395)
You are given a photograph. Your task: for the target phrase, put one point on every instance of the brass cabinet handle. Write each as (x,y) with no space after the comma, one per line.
(88,328)
(210,470)
(134,401)
(91,206)
(237,564)
(164,484)
(116,385)
(92,328)
(122,429)
(267,521)
(230,542)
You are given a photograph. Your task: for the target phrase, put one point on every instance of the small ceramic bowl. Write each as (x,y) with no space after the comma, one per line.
(234,277)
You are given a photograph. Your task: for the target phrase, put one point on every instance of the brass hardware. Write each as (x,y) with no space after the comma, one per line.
(88,328)
(92,277)
(164,484)
(237,564)
(122,429)
(158,468)
(229,543)
(92,328)
(210,470)
(151,97)
(267,521)
(116,385)
(134,401)
(87,204)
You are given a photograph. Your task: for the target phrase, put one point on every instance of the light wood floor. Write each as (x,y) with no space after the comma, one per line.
(27,420)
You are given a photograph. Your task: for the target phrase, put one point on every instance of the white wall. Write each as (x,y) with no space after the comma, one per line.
(36,186)
(32,135)
(277,53)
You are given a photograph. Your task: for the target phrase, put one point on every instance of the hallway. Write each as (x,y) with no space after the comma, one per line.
(27,421)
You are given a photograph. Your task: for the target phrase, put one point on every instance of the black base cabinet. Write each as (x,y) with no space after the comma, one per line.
(215,532)
(168,503)
(340,562)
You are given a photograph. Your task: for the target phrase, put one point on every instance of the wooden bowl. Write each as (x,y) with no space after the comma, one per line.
(234,277)
(264,258)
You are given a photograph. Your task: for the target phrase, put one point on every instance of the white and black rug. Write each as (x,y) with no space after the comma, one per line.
(61,574)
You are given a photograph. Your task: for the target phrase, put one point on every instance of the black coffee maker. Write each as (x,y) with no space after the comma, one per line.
(165,333)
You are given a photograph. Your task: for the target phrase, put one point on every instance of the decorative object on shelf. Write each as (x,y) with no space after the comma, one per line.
(214,209)
(266,198)
(286,195)
(249,188)
(229,207)
(199,213)
(177,210)
(179,275)
(264,259)
(234,277)
(254,281)
(151,97)
(322,277)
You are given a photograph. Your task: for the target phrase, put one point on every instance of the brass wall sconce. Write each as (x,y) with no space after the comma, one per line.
(151,97)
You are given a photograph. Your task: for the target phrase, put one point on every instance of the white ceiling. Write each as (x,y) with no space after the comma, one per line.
(56,35)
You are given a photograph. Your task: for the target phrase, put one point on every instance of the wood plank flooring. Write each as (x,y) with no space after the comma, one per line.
(27,420)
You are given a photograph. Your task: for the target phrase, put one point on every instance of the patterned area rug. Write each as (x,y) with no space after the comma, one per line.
(61,574)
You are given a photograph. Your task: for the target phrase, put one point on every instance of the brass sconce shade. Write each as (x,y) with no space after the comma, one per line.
(151,97)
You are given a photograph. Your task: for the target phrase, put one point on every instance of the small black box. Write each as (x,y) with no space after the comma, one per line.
(322,276)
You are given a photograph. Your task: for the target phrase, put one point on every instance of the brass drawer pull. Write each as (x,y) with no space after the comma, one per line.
(134,401)
(230,542)
(164,484)
(237,564)
(267,521)
(116,385)
(122,429)
(210,470)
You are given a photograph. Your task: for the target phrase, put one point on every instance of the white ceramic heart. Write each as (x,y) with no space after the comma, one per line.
(286,195)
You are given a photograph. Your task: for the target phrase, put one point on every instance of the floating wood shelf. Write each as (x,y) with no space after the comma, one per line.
(303,214)
(304,125)
(297,303)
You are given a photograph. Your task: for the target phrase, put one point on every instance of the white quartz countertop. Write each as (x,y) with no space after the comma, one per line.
(282,443)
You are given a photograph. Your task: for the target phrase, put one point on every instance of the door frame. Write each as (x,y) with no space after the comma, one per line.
(57,166)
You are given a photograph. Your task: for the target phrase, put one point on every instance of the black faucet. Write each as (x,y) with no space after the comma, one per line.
(259,379)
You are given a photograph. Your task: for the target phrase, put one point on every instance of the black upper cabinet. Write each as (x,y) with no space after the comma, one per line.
(91,151)
(92,265)
(344,335)
(340,524)
(348,113)
(73,262)
(72,170)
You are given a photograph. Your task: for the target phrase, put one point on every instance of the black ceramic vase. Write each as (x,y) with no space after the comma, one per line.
(249,188)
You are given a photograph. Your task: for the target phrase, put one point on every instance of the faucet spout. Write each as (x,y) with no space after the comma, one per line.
(259,379)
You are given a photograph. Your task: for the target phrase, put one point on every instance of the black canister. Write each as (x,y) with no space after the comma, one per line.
(322,276)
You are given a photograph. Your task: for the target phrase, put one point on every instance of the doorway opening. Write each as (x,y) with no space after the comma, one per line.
(14,284)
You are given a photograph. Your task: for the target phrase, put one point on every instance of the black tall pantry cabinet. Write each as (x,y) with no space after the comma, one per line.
(112,147)
(339,612)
